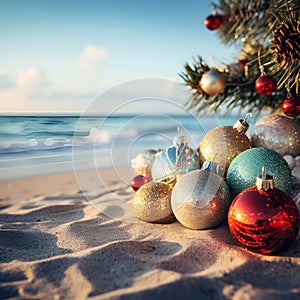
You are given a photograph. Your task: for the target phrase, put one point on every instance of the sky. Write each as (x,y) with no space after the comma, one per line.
(60,56)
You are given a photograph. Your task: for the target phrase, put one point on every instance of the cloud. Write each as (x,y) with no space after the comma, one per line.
(5,81)
(92,57)
(136,96)
(32,81)
(12,101)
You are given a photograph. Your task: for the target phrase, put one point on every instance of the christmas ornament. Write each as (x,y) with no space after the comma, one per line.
(222,144)
(175,160)
(262,218)
(278,133)
(139,181)
(201,198)
(297,161)
(152,203)
(265,84)
(213,82)
(244,168)
(290,160)
(286,42)
(213,22)
(142,163)
(296,174)
(291,106)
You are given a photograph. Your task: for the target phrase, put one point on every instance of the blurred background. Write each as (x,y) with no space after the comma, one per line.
(58,56)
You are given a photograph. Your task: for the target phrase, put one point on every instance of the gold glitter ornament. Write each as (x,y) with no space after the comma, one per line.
(201,198)
(222,144)
(152,203)
(278,133)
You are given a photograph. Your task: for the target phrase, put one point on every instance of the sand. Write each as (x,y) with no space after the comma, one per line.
(55,244)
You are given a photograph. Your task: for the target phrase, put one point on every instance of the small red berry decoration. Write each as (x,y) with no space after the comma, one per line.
(139,181)
(213,22)
(291,106)
(265,84)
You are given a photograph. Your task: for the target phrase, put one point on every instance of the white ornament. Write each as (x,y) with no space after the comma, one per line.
(296,174)
(290,160)
(142,163)
(213,82)
(297,161)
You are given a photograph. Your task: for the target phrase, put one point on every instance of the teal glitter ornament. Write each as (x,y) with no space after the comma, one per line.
(177,159)
(244,168)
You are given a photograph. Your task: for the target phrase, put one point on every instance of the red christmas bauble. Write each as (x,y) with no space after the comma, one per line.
(213,22)
(291,106)
(139,181)
(263,221)
(265,84)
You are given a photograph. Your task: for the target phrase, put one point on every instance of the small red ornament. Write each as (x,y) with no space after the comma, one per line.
(139,181)
(265,84)
(291,106)
(213,22)
(263,219)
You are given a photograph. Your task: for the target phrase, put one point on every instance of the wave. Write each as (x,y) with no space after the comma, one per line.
(41,134)
(96,138)
(33,134)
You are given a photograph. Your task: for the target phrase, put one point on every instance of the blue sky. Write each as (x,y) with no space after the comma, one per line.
(58,56)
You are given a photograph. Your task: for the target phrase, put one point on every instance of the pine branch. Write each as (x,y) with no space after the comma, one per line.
(250,20)
(239,91)
(255,22)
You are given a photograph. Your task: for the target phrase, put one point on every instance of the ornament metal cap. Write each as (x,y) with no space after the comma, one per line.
(264,181)
(179,139)
(241,126)
(211,166)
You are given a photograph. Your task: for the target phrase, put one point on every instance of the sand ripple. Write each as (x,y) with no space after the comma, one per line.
(58,246)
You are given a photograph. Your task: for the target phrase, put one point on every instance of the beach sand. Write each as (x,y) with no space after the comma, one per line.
(55,244)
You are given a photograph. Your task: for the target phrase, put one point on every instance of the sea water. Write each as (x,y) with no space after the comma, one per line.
(34,145)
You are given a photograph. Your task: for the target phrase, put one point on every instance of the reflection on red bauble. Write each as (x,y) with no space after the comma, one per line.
(291,106)
(139,181)
(265,84)
(263,221)
(213,22)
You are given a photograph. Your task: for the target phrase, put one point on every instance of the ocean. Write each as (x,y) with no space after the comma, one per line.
(35,145)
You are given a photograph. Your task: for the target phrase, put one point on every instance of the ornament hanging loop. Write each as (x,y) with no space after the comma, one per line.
(264,172)
(287,87)
(264,181)
(248,117)
(179,131)
(180,138)
(261,67)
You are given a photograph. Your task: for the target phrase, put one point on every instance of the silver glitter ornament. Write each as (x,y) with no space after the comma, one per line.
(201,198)
(290,160)
(142,163)
(175,160)
(213,82)
(278,133)
(296,174)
